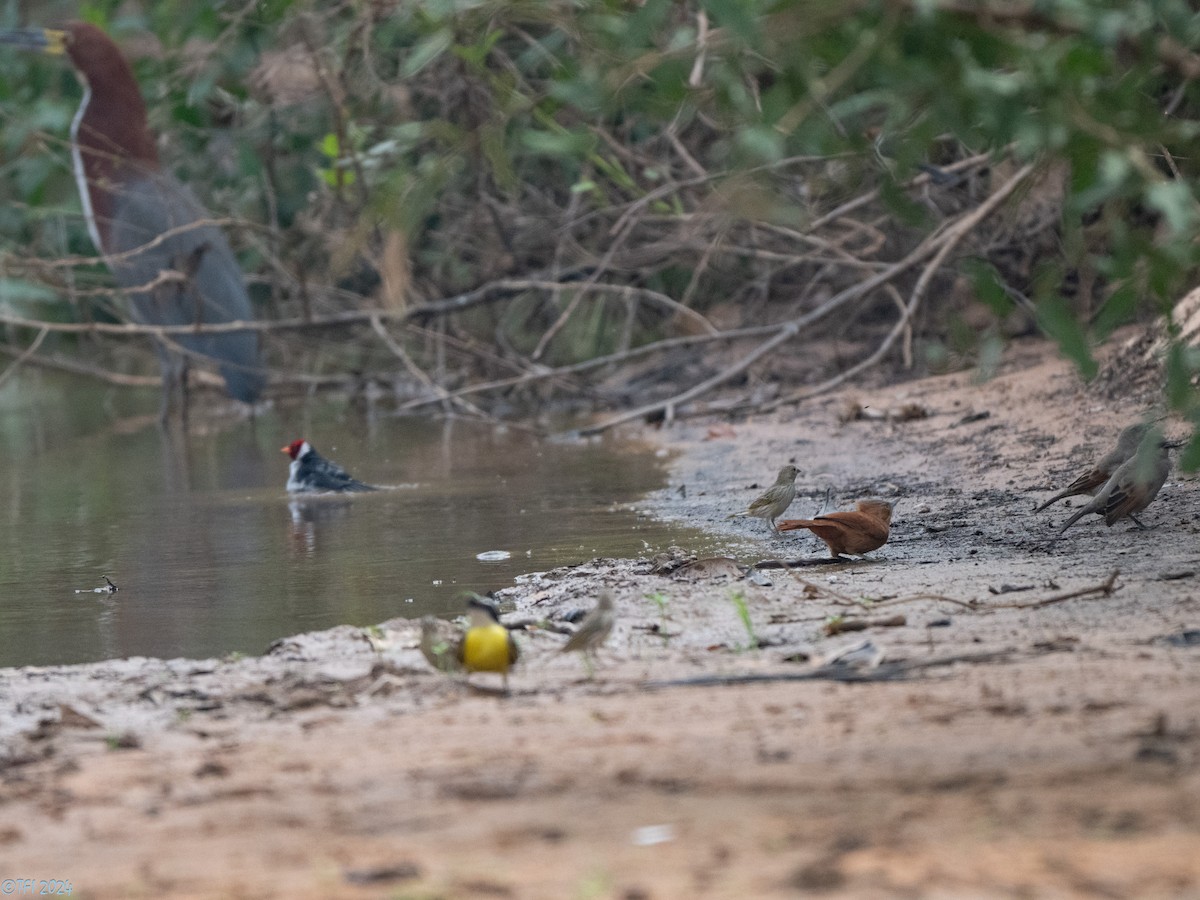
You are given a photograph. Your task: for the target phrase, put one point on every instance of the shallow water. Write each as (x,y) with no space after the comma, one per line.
(210,554)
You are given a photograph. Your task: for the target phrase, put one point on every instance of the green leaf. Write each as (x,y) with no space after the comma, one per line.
(740,16)
(1178,387)
(1056,319)
(1189,459)
(426,51)
(559,143)
(988,287)
(19,292)
(1175,201)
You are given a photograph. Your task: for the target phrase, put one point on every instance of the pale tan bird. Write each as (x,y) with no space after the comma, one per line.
(1132,487)
(775,499)
(594,630)
(439,651)
(1093,479)
(862,530)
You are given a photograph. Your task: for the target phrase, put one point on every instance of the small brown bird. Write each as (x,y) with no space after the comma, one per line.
(856,532)
(594,630)
(439,651)
(1093,479)
(775,499)
(1131,488)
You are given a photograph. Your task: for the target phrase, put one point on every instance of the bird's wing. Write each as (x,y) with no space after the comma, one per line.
(578,638)
(860,531)
(1123,500)
(147,208)
(1084,484)
(213,289)
(329,476)
(1131,494)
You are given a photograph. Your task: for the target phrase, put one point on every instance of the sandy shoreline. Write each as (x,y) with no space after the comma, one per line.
(1059,756)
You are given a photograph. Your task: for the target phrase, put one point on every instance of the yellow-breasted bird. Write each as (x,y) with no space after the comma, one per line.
(487,646)
(775,499)
(594,630)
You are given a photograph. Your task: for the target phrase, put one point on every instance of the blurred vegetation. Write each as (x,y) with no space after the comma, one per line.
(600,176)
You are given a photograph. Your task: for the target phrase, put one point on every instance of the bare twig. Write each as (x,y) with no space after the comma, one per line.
(79,368)
(949,239)
(938,245)
(1105,588)
(25,355)
(442,394)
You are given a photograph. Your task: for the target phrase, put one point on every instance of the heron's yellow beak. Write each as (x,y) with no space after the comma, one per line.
(56,42)
(50,41)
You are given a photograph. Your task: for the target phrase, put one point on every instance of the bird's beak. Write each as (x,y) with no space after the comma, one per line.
(287,450)
(50,41)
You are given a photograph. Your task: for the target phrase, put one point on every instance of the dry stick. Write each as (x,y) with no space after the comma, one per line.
(935,598)
(363,317)
(950,238)
(78,368)
(544,372)
(906,355)
(628,292)
(130,381)
(844,599)
(71,262)
(438,308)
(886,671)
(566,314)
(560,245)
(667,189)
(442,395)
(830,82)
(785,333)
(862,200)
(1106,587)
(24,357)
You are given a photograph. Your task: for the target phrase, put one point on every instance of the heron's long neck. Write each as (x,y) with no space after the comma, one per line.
(81,178)
(110,144)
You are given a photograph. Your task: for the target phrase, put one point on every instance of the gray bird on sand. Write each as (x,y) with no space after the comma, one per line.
(1095,477)
(595,628)
(1132,487)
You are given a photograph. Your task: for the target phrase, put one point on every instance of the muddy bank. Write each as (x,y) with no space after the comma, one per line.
(1025,723)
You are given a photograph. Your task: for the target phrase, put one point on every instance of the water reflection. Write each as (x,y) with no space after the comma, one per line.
(210,553)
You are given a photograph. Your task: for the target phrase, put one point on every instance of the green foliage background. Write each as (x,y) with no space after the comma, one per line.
(475,141)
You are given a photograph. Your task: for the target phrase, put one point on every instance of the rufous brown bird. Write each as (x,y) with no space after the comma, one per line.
(1095,477)
(862,530)
(775,499)
(1132,487)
